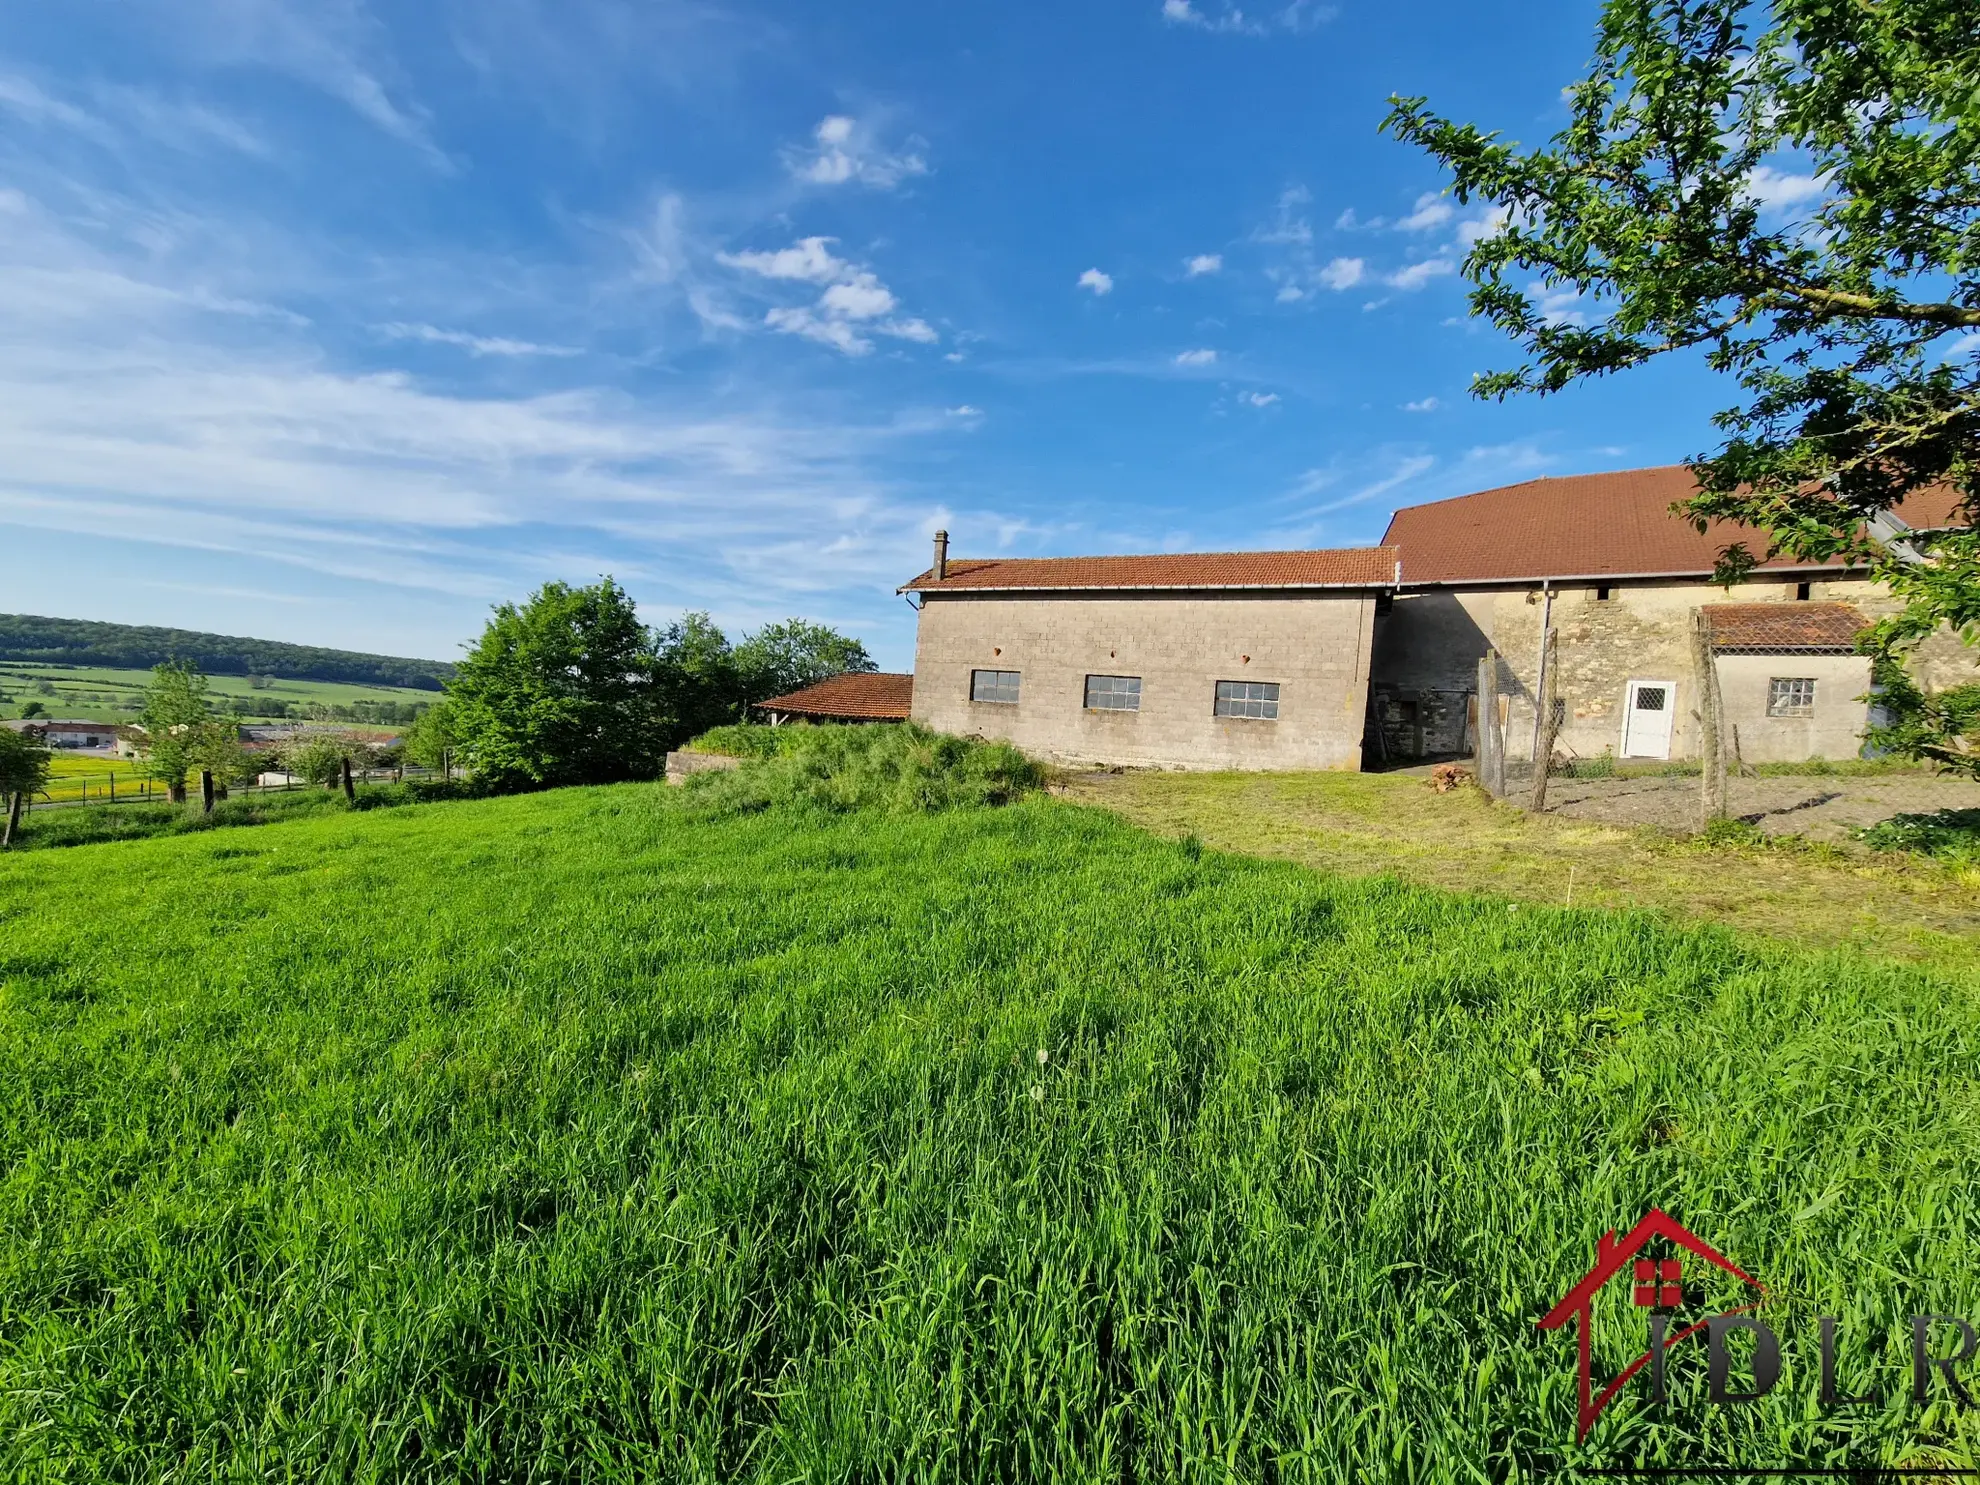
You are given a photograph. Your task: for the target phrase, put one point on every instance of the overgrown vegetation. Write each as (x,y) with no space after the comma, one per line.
(1950,835)
(558,1137)
(95,824)
(896,767)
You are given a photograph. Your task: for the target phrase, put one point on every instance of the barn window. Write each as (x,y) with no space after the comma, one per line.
(1000,686)
(1803,592)
(1259,699)
(1791,696)
(1602,594)
(1113,693)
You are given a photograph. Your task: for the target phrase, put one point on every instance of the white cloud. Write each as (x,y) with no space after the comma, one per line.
(845,150)
(1962,347)
(1342,273)
(861,297)
(1472,228)
(965,411)
(1200,357)
(475,345)
(1203,263)
(1407,470)
(1347,221)
(1558,306)
(1098,282)
(845,313)
(1294,16)
(1290,294)
(1289,226)
(1432,210)
(27,100)
(1780,190)
(1422,405)
(1416,275)
(1259,399)
(809,260)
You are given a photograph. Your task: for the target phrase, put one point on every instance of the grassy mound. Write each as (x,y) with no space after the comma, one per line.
(573,1136)
(895,768)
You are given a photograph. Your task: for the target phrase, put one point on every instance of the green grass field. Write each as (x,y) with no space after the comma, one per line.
(592,1135)
(101,694)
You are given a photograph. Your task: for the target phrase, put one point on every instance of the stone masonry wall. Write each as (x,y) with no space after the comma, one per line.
(1316,647)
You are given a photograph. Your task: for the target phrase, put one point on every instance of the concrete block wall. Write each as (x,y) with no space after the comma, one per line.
(1315,646)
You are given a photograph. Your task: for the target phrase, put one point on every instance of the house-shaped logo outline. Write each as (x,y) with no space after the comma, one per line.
(1611,1256)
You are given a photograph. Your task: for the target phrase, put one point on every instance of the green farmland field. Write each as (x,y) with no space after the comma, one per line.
(98,693)
(591,1135)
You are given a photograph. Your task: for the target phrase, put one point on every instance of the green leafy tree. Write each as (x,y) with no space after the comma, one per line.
(560,691)
(175,719)
(1848,323)
(696,678)
(431,740)
(320,757)
(33,709)
(781,658)
(24,768)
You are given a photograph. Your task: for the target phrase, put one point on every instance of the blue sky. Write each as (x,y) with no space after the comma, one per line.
(337,322)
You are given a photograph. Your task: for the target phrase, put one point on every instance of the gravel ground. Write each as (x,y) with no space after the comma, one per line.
(1820,808)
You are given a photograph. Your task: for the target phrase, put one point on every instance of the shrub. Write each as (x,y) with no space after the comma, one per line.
(1950,835)
(897,767)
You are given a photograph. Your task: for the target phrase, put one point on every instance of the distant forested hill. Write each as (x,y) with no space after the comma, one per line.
(29,637)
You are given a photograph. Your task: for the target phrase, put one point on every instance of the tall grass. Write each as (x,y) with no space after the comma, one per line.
(892,768)
(582,1136)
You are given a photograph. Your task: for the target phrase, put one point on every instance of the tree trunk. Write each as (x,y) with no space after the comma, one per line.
(176,792)
(1711,729)
(206,791)
(13,820)
(1543,750)
(350,790)
(1491,737)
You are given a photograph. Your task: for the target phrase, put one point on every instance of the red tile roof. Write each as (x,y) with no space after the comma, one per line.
(1351,567)
(1783,626)
(1586,526)
(871,696)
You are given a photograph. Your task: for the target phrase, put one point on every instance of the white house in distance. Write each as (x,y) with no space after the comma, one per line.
(1332,659)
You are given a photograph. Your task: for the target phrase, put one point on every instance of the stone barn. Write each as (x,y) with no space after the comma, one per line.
(1239,660)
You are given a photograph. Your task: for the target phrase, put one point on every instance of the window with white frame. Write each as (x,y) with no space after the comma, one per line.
(999,686)
(1113,693)
(1791,696)
(1258,699)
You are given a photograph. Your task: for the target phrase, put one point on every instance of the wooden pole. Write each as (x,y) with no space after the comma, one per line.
(206,791)
(1491,737)
(1711,738)
(350,790)
(13,820)
(1543,752)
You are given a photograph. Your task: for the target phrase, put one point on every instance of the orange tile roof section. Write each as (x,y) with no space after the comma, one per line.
(1587,526)
(1784,626)
(879,696)
(1347,567)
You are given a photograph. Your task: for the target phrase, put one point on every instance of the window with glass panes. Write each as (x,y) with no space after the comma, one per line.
(1258,699)
(1791,696)
(1113,693)
(994,685)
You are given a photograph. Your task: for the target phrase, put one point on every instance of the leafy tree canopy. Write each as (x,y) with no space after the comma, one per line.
(24,764)
(1852,323)
(180,731)
(559,690)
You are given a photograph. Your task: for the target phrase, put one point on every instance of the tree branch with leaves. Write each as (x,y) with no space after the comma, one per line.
(1852,323)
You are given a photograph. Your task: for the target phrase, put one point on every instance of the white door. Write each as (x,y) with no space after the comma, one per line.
(1647,713)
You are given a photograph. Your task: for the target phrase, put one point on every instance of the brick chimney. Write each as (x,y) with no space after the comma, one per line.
(941,554)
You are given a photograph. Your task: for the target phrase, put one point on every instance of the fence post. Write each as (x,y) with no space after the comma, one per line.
(206,791)
(1711,724)
(350,790)
(1549,729)
(1491,738)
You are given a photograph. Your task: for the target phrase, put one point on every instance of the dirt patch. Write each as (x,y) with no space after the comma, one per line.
(1821,807)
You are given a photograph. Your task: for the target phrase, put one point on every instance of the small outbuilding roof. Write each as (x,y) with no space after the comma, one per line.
(870,696)
(1777,628)
(1345,567)
(1617,524)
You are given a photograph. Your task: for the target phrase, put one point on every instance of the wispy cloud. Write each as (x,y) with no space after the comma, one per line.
(1780,191)
(845,150)
(1342,273)
(1259,399)
(1098,282)
(1202,264)
(1422,405)
(1430,212)
(475,345)
(1222,16)
(1203,356)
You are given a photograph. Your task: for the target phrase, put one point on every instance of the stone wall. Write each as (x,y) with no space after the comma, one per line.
(1427,648)
(1316,647)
